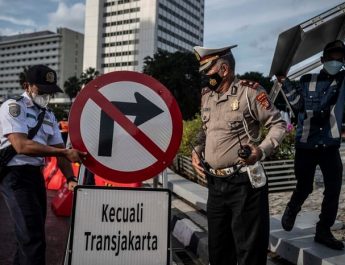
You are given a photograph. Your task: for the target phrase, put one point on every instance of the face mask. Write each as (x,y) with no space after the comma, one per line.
(41,100)
(332,67)
(211,81)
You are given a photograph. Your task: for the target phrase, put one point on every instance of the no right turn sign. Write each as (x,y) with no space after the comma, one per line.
(129,124)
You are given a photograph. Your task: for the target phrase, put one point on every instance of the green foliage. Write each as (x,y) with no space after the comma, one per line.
(286,150)
(88,75)
(22,76)
(179,73)
(264,81)
(190,130)
(59,111)
(72,87)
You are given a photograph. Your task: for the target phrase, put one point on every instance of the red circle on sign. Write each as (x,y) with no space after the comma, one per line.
(90,91)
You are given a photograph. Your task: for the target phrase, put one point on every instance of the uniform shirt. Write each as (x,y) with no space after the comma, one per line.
(318,101)
(18,116)
(238,113)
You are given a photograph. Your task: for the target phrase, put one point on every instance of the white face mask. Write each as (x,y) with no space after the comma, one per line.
(41,100)
(333,67)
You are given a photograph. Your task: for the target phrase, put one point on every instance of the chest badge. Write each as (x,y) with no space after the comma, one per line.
(235,104)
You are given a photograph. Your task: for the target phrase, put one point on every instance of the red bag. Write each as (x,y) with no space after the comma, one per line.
(62,202)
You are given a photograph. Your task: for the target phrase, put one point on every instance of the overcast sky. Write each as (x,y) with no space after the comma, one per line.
(252,24)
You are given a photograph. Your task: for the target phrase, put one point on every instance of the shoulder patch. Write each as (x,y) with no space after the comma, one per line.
(263,100)
(14,109)
(205,90)
(251,84)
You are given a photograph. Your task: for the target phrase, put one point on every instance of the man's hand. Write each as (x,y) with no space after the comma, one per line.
(197,165)
(74,155)
(255,156)
(71,185)
(281,78)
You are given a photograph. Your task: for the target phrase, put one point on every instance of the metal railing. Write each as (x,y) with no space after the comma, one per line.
(280,173)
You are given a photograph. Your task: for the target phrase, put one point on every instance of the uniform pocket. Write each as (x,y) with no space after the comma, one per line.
(205,119)
(235,123)
(48,129)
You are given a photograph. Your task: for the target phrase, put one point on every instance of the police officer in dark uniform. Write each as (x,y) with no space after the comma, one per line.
(319,104)
(232,111)
(22,184)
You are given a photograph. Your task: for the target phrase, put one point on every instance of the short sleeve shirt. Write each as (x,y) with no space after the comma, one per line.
(19,116)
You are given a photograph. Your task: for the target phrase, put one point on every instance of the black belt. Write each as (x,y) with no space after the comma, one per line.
(238,177)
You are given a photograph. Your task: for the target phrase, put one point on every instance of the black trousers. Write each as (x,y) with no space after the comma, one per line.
(331,167)
(25,195)
(238,223)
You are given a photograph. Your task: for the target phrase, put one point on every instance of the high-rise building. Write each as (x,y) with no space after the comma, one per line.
(61,51)
(119,34)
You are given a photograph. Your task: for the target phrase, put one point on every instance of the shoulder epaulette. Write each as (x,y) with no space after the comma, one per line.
(16,98)
(205,90)
(251,84)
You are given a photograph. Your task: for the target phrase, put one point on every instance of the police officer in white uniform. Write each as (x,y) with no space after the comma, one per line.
(22,184)
(233,109)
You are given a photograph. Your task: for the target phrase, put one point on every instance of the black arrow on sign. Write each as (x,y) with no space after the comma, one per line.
(142,109)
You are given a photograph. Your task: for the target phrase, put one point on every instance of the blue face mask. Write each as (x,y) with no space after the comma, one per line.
(332,67)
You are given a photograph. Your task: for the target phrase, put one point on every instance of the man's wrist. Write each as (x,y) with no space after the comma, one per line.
(71,178)
(263,153)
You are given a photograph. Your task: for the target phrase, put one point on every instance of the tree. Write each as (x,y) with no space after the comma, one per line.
(22,76)
(88,75)
(267,84)
(264,81)
(179,73)
(72,86)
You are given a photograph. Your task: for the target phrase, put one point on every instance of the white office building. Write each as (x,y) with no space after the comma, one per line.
(119,34)
(61,51)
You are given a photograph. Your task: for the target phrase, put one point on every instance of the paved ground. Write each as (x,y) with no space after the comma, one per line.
(56,232)
(279,200)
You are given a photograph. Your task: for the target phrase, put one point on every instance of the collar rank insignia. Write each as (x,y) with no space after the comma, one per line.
(235,104)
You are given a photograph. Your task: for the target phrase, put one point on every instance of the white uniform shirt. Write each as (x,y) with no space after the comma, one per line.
(19,116)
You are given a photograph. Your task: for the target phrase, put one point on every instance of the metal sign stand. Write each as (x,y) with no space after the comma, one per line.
(274,94)
(81,180)
(164,175)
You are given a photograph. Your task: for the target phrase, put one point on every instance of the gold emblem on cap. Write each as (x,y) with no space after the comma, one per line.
(213,82)
(235,104)
(50,77)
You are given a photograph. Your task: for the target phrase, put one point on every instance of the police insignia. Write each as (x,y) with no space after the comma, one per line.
(263,100)
(251,84)
(14,109)
(50,77)
(213,82)
(234,104)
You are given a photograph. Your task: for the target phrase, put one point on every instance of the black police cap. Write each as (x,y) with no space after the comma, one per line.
(44,78)
(334,46)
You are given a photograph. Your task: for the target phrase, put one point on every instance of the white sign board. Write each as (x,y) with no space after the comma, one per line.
(120,226)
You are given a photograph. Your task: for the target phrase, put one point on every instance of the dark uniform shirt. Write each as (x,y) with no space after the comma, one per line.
(318,101)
